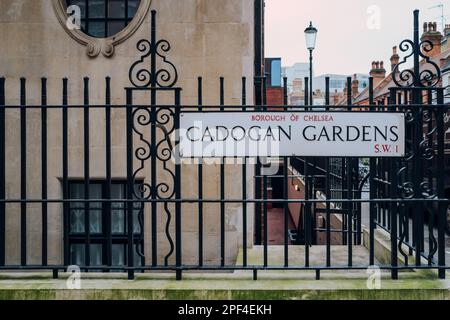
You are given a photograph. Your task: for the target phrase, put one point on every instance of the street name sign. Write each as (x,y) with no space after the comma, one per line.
(280,134)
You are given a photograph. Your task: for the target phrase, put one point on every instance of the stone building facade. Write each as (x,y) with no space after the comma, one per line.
(209,38)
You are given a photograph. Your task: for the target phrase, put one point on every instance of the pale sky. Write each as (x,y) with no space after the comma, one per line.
(345,43)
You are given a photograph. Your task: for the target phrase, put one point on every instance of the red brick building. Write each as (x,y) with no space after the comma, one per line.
(274,83)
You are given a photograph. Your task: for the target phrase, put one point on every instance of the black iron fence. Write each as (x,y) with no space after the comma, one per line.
(103,227)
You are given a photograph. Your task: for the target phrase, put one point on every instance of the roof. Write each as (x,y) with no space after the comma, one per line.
(447,65)
(383,87)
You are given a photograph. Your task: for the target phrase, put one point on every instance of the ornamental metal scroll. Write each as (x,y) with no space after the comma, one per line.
(422,120)
(428,73)
(153,71)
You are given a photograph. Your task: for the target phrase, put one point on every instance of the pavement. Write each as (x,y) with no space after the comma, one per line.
(271,285)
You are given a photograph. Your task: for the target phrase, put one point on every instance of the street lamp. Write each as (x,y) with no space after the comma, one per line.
(311,36)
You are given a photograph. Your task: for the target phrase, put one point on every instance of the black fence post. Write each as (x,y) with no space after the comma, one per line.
(87,207)
(178,195)
(265,186)
(258,181)
(222,184)
(2,173)
(417,173)
(372,186)
(244,184)
(65,172)
(44,168)
(130,184)
(200,182)
(327,183)
(350,185)
(393,206)
(286,184)
(108,188)
(23,173)
(307,205)
(442,207)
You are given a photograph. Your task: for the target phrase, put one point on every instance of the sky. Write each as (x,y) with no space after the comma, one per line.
(352,33)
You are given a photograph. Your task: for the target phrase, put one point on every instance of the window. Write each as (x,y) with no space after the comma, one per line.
(447,89)
(105,18)
(337,84)
(276,73)
(101,220)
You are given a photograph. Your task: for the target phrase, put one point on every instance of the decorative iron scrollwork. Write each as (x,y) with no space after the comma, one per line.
(404,78)
(141,76)
(153,71)
(428,72)
(164,78)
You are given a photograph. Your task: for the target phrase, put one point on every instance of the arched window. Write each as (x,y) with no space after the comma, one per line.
(105,18)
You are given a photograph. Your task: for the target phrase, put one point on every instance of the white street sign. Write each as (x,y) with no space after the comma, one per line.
(306,134)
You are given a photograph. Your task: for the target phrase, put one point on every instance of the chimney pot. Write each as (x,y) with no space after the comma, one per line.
(378,73)
(355,86)
(434,36)
(395,59)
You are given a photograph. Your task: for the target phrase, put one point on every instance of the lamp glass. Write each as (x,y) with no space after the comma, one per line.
(311,37)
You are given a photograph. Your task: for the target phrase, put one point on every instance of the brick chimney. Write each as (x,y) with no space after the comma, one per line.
(447,30)
(431,34)
(378,73)
(447,37)
(395,59)
(336,98)
(355,86)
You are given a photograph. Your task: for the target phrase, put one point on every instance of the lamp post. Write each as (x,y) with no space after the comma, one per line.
(311,36)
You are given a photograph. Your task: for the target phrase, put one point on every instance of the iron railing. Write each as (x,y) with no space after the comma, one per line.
(402,191)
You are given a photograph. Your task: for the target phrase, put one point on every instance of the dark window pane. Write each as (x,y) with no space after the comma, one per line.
(97,9)
(77,209)
(77,254)
(116,9)
(95,217)
(95,222)
(80,3)
(117,209)
(76,192)
(77,221)
(97,29)
(105,18)
(137,258)
(136,225)
(96,253)
(97,227)
(118,218)
(133,5)
(118,221)
(114,27)
(118,255)
(95,192)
